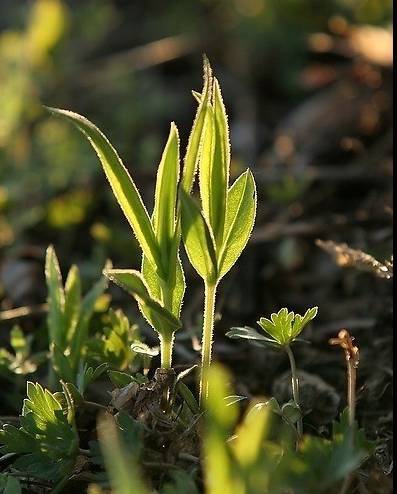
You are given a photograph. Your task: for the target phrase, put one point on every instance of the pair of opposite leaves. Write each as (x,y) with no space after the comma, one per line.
(214,236)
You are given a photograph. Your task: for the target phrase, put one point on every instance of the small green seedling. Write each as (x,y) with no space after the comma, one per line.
(215,234)
(68,320)
(47,441)
(283,329)
(160,285)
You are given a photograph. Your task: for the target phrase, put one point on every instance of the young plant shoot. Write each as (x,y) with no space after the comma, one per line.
(283,329)
(68,320)
(215,234)
(160,285)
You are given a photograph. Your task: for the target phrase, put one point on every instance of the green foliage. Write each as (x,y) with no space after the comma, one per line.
(244,459)
(68,318)
(121,465)
(159,317)
(122,185)
(47,438)
(21,360)
(198,240)
(113,346)
(9,485)
(283,328)
(322,463)
(215,236)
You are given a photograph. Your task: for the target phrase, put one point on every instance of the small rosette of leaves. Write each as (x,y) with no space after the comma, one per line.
(216,234)
(282,329)
(47,441)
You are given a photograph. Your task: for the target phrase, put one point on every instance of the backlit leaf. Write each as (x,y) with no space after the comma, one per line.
(175,286)
(240,218)
(195,138)
(198,239)
(221,165)
(72,301)
(165,199)
(121,466)
(163,321)
(122,185)
(87,309)
(56,298)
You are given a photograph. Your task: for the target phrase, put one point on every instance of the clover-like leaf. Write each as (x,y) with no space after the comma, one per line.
(284,327)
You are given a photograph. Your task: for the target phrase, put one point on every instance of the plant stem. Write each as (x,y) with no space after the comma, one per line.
(295,387)
(351,390)
(166,346)
(206,344)
(351,404)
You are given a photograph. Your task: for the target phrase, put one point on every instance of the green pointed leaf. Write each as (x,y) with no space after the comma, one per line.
(251,334)
(120,464)
(72,301)
(61,364)
(195,138)
(209,190)
(240,218)
(158,317)
(56,298)
(165,199)
(251,433)
(175,286)
(300,322)
(122,184)
(196,96)
(221,165)
(198,239)
(87,309)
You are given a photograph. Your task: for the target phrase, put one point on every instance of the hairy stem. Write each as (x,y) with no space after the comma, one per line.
(206,344)
(295,387)
(166,346)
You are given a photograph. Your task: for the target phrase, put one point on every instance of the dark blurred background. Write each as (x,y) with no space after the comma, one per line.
(307,86)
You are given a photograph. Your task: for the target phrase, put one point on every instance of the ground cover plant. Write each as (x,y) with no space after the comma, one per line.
(153,432)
